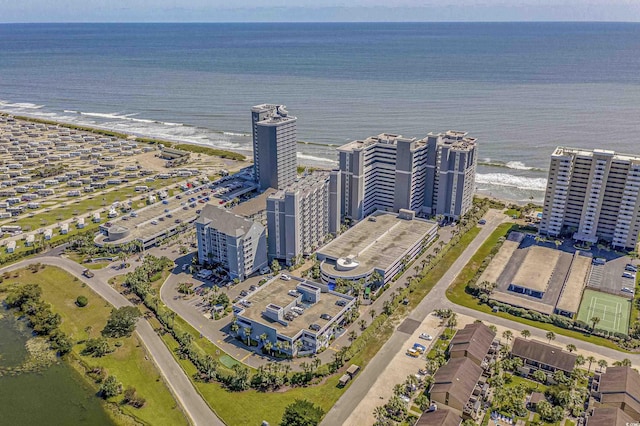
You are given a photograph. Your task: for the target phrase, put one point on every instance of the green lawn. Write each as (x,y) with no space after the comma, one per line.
(128,363)
(457,294)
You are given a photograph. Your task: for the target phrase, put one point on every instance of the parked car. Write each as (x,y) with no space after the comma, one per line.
(341,302)
(629,275)
(154,222)
(626,290)
(482,222)
(426,336)
(631,268)
(420,348)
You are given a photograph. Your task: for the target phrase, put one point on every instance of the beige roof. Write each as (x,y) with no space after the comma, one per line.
(499,261)
(530,274)
(571,293)
(376,242)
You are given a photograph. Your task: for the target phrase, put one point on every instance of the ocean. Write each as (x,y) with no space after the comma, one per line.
(521,88)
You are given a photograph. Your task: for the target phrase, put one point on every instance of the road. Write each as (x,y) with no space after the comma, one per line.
(192,403)
(434,300)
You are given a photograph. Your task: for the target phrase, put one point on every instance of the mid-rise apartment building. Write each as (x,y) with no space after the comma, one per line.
(235,243)
(592,195)
(302,215)
(434,175)
(274,146)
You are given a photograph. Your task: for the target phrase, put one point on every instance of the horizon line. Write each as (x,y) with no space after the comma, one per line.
(324,22)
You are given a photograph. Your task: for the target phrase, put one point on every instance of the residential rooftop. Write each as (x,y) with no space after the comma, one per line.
(303,184)
(458,378)
(375,242)
(276,292)
(610,416)
(561,151)
(544,353)
(474,339)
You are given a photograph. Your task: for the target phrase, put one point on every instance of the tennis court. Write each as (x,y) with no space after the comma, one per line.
(613,311)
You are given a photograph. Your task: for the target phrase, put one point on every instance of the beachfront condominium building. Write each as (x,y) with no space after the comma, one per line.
(592,195)
(237,244)
(274,146)
(302,215)
(434,175)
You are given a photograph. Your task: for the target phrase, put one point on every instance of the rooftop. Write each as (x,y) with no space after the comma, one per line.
(621,385)
(569,300)
(382,138)
(378,241)
(304,184)
(475,339)
(544,353)
(458,378)
(440,417)
(530,274)
(276,292)
(610,416)
(224,221)
(254,205)
(586,152)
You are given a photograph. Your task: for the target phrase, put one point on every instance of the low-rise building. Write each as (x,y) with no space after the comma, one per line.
(542,356)
(296,316)
(237,244)
(619,387)
(473,342)
(384,243)
(455,382)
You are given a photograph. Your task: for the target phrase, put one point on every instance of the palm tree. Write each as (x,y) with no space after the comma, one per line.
(591,359)
(602,364)
(247,334)
(380,414)
(363,324)
(580,360)
(235,327)
(551,336)
(508,335)
(624,363)
(525,333)
(353,335)
(594,321)
(571,347)
(268,346)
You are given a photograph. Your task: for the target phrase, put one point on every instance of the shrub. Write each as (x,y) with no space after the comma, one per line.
(82,301)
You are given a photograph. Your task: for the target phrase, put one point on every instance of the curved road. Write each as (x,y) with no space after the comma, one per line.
(437,299)
(192,403)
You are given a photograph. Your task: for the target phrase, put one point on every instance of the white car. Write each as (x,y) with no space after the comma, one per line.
(626,290)
(426,336)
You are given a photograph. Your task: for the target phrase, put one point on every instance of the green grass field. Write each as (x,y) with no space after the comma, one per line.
(129,363)
(612,310)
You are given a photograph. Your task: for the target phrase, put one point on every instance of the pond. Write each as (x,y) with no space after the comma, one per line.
(54,395)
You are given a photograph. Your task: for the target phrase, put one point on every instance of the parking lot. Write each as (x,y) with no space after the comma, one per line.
(609,277)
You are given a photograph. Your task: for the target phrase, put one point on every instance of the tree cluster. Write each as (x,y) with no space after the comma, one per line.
(27,299)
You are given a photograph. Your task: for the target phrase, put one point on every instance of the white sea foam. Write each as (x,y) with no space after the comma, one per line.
(504,179)
(19,105)
(235,134)
(314,159)
(517,165)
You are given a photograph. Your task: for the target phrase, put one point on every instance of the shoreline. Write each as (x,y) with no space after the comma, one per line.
(220,152)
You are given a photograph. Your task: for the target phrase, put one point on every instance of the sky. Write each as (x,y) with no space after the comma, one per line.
(316,10)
